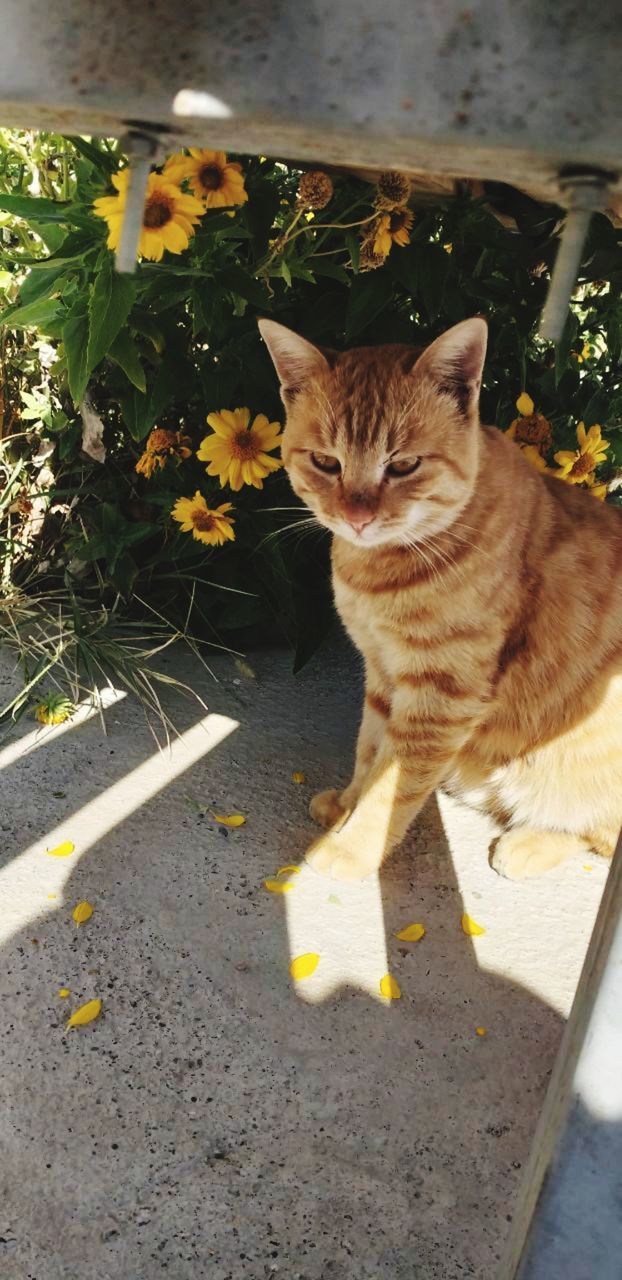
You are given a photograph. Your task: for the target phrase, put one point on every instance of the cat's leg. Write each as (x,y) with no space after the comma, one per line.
(523,853)
(415,754)
(332,807)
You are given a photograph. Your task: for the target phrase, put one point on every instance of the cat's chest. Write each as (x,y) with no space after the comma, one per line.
(376,623)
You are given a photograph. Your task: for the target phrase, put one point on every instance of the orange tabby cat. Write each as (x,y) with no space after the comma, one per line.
(486,599)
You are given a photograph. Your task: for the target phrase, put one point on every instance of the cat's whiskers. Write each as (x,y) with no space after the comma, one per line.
(308,525)
(416,549)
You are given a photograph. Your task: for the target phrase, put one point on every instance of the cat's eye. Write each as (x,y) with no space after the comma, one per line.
(326,462)
(402,466)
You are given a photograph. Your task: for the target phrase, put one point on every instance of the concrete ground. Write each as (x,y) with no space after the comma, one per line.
(219,1120)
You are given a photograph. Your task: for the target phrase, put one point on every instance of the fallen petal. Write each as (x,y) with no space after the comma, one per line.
(303,966)
(86,1013)
(389,987)
(61,850)
(64,992)
(298,777)
(481,1031)
(411,933)
(278,886)
(470,927)
(232,820)
(82,912)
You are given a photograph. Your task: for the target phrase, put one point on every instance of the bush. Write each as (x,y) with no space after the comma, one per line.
(108,380)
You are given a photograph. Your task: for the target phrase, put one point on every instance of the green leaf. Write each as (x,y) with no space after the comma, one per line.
(41,284)
(137,414)
(39,209)
(354,248)
(125,353)
(110,303)
(35,315)
(369,295)
(75,330)
(101,158)
(331,269)
(564,347)
(144,323)
(240,282)
(286,273)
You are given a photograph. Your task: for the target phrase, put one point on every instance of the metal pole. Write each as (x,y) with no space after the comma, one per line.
(584,194)
(568,1222)
(142,150)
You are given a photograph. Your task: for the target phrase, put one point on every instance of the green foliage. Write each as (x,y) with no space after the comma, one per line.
(179,339)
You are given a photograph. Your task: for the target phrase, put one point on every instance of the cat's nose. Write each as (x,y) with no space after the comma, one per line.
(360,521)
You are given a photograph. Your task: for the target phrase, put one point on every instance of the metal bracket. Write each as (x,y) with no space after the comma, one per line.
(143,150)
(583,194)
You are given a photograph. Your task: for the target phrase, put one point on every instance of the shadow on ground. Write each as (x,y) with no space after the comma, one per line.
(212,1122)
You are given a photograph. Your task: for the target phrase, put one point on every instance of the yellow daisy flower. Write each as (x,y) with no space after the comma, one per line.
(212,526)
(392,228)
(55,709)
(237,453)
(169,216)
(160,446)
(576,465)
(216,181)
(596,489)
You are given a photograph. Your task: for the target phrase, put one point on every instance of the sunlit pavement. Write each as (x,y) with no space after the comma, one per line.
(219,1119)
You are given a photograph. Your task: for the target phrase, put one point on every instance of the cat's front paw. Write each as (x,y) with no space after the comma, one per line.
(330,856)
(326,808)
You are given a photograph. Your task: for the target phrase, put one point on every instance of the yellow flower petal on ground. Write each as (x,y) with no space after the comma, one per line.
(85,1014)
(587,866)
(390,988)
(278,886)
(411,933)
(303,966)
(52,895)
(64,992)
(481,1031)
(299,778)
(61,850)
(525,404)
(470,927)
(82,912)
(282,871)
(238,453)
(230,820)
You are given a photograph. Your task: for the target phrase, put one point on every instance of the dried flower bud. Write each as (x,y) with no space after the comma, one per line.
(315,190)
(393,190)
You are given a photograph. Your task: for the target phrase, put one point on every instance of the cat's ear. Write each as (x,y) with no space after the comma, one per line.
(295,359)
(454,362)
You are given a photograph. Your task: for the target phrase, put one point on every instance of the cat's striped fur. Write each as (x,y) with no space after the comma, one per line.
(485,598)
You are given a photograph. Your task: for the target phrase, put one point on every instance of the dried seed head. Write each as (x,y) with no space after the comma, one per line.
(369,259)
(315,190)
(533,428)
(393,189)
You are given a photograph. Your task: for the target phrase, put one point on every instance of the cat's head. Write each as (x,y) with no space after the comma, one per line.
(382,443)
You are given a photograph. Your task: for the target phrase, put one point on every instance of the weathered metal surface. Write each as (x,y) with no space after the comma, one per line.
(568,1222)
(500,89)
